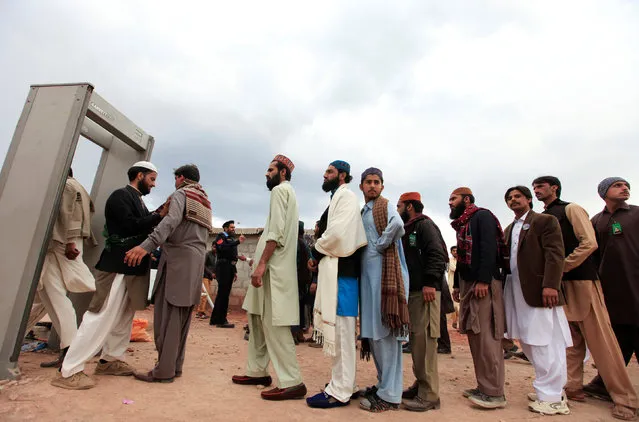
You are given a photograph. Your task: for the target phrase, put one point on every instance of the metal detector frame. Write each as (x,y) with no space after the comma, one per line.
(31,184)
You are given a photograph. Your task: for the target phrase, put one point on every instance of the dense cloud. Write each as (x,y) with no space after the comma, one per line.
(437,94)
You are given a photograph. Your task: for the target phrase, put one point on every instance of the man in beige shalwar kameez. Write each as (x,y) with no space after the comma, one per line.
(64,270)
(272,298)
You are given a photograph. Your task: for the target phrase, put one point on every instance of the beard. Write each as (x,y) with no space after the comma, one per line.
(143,187)
(330,185)
(273,181)
(372,196)
(456,212)
(405,216)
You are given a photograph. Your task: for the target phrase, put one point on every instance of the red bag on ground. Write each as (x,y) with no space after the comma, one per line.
(138,332)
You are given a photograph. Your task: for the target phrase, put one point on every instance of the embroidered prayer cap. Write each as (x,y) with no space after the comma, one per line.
(145,165)
(285,161)
(410,196)
(341,165)
(373,171)
(605,184)
(462,191)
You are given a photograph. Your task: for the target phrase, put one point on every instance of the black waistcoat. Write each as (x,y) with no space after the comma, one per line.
(587,270)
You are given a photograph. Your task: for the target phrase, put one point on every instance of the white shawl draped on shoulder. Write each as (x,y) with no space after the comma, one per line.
(343,236)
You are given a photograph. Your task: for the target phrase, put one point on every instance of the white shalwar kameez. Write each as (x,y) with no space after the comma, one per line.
(544,333)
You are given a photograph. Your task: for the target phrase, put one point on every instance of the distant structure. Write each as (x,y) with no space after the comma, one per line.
(243,270)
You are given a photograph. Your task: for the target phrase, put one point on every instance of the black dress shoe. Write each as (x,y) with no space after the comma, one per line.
(444,351)
(367,391)
(354,396)
(225,325)
(148,377)
(246,380)
(411,392)
(521,355)
(290,393)
(597,389)
(57,363)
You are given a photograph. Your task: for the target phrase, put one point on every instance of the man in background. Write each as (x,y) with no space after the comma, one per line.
(225,271)
(210,261)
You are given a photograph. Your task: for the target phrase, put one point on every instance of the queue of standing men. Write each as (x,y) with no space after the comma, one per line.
(555,281)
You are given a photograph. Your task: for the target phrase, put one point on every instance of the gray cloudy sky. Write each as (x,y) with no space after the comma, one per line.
(437,94)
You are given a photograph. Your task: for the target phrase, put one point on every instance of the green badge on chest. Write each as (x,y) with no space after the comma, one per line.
(616,228)
(412,240)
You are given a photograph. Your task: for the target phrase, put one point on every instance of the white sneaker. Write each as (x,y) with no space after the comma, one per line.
(549,408)
(533,396)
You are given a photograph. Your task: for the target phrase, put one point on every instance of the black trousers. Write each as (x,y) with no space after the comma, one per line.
(304,292)
(299,328)
(224,271)
(443,342)
(628,339)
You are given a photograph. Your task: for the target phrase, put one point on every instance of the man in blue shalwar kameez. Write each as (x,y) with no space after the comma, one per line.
(384,294)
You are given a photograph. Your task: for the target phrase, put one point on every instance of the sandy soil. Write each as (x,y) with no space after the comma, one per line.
(205,391)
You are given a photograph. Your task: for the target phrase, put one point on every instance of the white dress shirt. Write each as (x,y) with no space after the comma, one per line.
(529,324)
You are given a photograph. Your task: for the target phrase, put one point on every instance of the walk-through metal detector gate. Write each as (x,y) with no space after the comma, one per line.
(31,183)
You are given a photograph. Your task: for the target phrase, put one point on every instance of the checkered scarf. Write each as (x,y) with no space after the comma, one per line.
(198,206)
(465,238)
(394,306)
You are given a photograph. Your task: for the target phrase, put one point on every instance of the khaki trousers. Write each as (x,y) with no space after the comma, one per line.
(202,307)
(424,321)
(596,332)
(268,342)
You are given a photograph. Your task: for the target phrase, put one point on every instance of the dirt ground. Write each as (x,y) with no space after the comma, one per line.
(205,391)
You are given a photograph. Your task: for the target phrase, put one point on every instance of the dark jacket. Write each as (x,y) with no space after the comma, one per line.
(540,257)
(425,254)
(484,264)
(128,222)
(226,247)
(349,266)
(210,260)
(303,273)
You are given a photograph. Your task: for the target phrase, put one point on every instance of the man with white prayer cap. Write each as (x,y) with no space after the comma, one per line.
(120,290)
